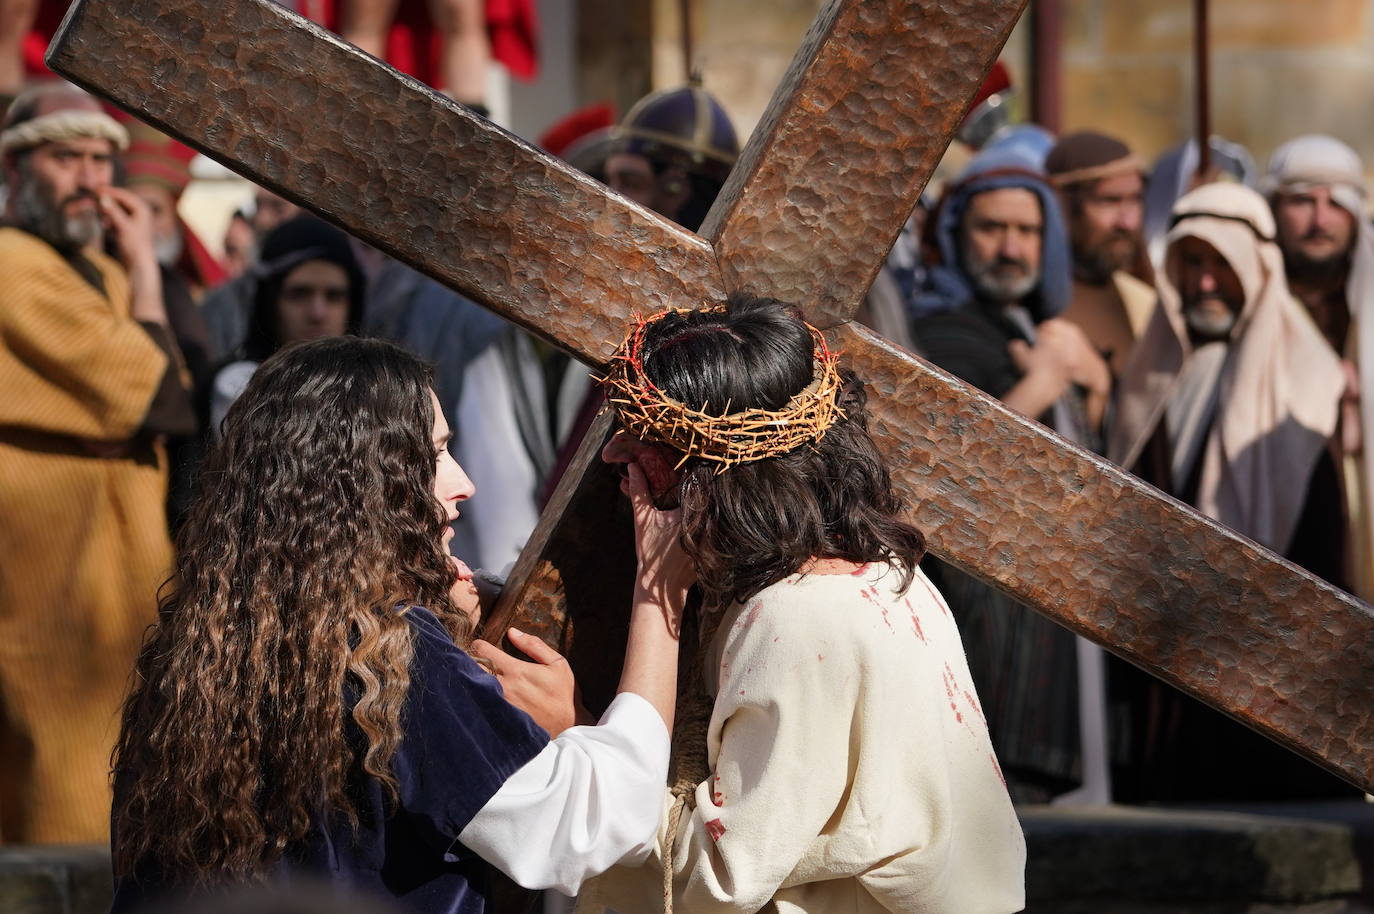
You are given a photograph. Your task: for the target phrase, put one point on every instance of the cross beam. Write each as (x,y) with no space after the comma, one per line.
(818,197)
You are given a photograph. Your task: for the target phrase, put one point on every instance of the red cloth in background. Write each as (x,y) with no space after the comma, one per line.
(514,30)
(412,47)
(197,263)
(50,13)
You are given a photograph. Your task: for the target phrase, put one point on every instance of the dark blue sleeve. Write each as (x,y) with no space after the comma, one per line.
(461,740)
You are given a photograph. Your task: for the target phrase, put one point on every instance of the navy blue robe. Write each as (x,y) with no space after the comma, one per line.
(461,741)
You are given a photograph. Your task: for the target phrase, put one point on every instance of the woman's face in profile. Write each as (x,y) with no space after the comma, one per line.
(451,484)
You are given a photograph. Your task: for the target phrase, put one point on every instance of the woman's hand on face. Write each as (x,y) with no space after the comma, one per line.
(665,571)
(544,689)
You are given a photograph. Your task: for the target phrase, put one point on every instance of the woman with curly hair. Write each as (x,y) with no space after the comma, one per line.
(845,764)
(307,706)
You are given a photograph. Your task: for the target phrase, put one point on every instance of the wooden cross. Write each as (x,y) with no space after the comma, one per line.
(822,188)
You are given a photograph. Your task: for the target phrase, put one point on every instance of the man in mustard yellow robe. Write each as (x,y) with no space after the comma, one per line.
(89,378)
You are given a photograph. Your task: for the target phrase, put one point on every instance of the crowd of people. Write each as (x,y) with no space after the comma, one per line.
(1203,331)
(1225,370)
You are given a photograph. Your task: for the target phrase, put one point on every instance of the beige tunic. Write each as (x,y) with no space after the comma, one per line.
(852,770)
(83,542)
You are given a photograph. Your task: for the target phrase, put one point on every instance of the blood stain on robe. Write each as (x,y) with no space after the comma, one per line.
(998,768)
(870,594)
(915,621)
(715,829)
(973,703)
(934,595)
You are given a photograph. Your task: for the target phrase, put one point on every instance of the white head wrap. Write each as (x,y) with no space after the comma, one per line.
(1324,161)
(1317,160)
(68,124)
(1279,390)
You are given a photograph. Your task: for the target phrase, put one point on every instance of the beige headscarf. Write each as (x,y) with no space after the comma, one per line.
(64,124)
(1278,392)
(1324,161)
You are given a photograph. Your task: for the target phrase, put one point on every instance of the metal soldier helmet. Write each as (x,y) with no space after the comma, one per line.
(685,127)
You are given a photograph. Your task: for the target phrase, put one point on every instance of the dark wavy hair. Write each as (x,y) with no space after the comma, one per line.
(756,523)
(315,528)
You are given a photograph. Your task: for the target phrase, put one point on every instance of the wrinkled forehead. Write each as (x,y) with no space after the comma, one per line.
(1005,204)
(1349,197)
(97,145)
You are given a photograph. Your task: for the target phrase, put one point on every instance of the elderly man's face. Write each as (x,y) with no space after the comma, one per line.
(1312,228)
(1002,232)
(162,204)
(58,191)
(1105,225)
(1211,291)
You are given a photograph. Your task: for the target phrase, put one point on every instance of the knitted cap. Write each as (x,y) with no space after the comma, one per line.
(154,158)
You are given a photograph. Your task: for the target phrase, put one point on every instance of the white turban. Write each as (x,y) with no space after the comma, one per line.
(1316,160)
(67,124)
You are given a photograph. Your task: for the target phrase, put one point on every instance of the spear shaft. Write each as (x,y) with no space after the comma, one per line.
(1203,108)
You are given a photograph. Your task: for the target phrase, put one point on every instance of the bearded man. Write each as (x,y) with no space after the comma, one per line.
(1101,186)
(988,315)
(90,379)
(1230,404)
(158,169)
(1316,188)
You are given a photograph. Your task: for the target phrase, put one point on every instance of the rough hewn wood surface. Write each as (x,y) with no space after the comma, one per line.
(397,165)
(292,107)
(852,134)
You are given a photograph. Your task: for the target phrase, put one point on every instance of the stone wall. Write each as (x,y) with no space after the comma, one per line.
(1279,68)
(742,49)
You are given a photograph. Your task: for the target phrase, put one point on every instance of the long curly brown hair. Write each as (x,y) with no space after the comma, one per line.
(756,523)
(316,527)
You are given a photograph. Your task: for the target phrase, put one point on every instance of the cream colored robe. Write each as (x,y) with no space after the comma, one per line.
(83,540)
(852,770)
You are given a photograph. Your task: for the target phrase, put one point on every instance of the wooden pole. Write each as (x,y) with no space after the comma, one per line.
(1047,33)
(685,22)
(1203,110)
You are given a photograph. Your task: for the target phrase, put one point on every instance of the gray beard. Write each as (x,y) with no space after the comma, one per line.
(1206,327)
(36,214)
(994,288)
(169,249)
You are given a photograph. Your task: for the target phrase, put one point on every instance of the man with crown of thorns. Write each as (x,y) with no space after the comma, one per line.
(842,763)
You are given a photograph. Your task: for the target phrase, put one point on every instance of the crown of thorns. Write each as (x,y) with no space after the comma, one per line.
(731,438)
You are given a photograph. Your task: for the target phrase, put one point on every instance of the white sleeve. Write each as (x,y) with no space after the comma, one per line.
(227,387)
(591,799)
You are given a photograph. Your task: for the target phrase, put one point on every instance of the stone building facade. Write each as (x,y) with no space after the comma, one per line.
(1279,67)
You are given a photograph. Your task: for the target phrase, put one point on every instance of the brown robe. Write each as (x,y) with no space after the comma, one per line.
(83,542)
